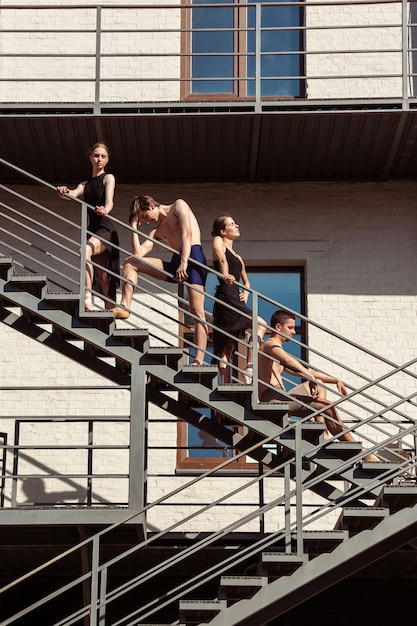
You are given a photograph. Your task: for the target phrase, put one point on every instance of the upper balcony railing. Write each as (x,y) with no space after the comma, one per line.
(216,56)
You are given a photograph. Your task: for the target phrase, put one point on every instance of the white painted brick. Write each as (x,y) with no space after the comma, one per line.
(359,286)
(372,52)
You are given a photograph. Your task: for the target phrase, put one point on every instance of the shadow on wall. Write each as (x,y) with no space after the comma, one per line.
(36,494)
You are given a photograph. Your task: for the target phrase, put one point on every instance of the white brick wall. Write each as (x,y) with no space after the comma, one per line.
(342,60)
(358,244)
(354,41)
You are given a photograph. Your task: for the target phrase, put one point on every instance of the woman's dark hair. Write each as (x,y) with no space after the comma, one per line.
(218,225)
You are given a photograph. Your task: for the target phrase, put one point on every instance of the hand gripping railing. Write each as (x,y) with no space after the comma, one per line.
(361,399)
(386,422)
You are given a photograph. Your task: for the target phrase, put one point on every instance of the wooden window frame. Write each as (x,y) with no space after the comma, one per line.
(196,464)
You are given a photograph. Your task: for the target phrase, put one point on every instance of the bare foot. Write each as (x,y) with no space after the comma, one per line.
(88,304)
(120,314)
(371,458)
(248,374)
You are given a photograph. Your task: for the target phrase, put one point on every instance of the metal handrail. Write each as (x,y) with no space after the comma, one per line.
(99,75)
(256,296)
(300,520)
(181,303)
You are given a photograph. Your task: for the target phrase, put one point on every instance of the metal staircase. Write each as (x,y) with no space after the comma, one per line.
(207,581)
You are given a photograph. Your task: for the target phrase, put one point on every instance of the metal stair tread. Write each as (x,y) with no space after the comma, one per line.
(356,519)
(234,588)
(86,329)
(321,541)
(190,610)
(397,497)
(277,564)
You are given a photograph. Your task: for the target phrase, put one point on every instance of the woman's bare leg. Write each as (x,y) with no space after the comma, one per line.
(94,247)
(261,329)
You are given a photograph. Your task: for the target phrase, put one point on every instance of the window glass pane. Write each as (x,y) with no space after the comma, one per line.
(205,445)
(286,288)
(283,285)
(273,41)
(209,41)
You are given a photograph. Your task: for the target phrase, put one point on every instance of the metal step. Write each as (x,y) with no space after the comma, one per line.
(194,612)
(204,374)
(397,497)
(277,564)
(6,267)
(67,302)
(357,519)
(235,588)
(169,356)
(317,542)
(33,284)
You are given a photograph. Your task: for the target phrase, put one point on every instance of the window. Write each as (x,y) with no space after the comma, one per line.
(196,449)
(222,47)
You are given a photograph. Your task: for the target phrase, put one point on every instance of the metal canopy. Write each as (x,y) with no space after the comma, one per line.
(297,145)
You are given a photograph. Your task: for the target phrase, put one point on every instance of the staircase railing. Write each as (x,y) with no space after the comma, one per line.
(79,70)
(369,400)
(381,421)
(99,572)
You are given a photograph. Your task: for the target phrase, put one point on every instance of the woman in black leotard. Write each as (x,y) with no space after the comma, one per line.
(98,191)
(235,322)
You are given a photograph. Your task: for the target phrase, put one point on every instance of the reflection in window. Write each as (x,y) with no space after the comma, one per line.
(211,36)
(279,41)
(223,46)
(282,285)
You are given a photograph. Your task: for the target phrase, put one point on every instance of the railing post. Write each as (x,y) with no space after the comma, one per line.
(405,55)
(261,499)
(255,308)
(83,252)
(103,592)
(15,463)
(299,488)
(138,421)
(98,63)
(90,465)
(258,25)
(95,556)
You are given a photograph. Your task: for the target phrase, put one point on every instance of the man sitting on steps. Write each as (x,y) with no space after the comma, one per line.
(307,393)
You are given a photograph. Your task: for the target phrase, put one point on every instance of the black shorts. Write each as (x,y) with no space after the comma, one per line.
(197,275)
(300,393)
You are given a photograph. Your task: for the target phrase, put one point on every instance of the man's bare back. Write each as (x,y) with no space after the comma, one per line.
(176,225)
(172,221)
(269,369)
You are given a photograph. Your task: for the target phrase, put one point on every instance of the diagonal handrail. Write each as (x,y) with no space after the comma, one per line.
(358,491)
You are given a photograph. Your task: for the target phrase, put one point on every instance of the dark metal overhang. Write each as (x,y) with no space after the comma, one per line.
(222,145)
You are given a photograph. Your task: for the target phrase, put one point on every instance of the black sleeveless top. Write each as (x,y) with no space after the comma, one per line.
(224,317)
(95,194)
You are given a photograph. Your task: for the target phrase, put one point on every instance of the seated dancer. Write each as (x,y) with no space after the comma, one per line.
(308,392)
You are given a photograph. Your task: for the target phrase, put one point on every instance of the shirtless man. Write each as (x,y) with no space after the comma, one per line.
(309,392)
(177,227)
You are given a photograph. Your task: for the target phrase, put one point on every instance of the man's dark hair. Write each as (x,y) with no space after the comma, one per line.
(280,317)
(140,204)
